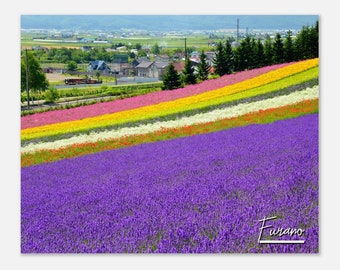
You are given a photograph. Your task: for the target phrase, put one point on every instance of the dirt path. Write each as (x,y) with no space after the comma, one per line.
(55,77)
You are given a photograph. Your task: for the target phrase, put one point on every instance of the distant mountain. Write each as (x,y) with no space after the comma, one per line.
(165,22)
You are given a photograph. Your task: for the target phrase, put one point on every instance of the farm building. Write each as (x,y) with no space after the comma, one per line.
(151,69)
(98,65)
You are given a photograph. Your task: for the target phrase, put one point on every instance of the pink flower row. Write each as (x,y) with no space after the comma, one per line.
(51,117)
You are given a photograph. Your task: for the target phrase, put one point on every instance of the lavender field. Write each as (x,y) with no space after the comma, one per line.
(198,194)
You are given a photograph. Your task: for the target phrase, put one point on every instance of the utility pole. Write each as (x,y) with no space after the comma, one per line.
(185,47)
(238,30)
(27,86)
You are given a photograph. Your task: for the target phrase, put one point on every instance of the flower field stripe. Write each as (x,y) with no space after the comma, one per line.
(271,87)
(176,116)
(165,108)
(51,117)
(258,117)
(199,194)
(156,110)
(214,115)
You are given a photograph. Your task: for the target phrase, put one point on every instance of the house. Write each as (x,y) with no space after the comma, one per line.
(98,65)
(162,58)
(210,55)
(212,44)
(134,51)
(86,48)
(144,69)
(146,48)
(143,59)
(87,40)
(235,44)
(40,48)
(121,48)
(194,61)
(179,66)
(161,67)
(123,69)
(151,69)
(178,56)
(100,41)
(195,54)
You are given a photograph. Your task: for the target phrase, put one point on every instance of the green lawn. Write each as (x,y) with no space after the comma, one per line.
(199,42)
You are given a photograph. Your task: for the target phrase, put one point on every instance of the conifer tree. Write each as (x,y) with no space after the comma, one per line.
(303,44)
(203,67)
(288,48)
(245,55)
(268,52)
(278,54)
(259,54)
(229,57)
(188,73)
(219,61)
(171,79)
(314,39)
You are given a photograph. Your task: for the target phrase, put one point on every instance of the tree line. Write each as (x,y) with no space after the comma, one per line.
(250,53)
(66,55)
(74,55)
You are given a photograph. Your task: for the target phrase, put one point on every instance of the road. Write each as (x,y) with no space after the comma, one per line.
(39,104)
(64,101)
(121,81)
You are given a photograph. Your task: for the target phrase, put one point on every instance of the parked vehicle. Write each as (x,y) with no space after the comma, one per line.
(73,81)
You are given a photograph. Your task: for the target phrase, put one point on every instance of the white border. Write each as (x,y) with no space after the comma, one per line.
(10,139)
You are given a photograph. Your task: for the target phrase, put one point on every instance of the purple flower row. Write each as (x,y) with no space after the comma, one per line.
(199,194)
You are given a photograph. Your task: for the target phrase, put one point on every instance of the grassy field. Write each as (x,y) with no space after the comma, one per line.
(82,93)
(200,41)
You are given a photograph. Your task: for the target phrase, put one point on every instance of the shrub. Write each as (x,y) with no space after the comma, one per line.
(51,95)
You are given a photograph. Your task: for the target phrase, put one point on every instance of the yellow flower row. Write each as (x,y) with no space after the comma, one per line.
(164,108)
(270,87)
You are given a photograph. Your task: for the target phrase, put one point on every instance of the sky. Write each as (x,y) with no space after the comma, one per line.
(166,22)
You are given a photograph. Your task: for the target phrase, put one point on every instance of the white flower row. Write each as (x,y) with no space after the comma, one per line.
(237,110)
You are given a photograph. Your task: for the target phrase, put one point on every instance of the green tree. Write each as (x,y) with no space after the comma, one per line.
(301,44)
(36,78)
(259,54)
(288,48)
(155,49)
(268,52)
(51,95)
(98,75)
(203,67)
(307,42)
(245,54)
(314,39)
(63,55)
(229,57)
(189,76)
(132,55)
(219,61)
(72,66)
(171,79)
(141,53)
(278,54)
